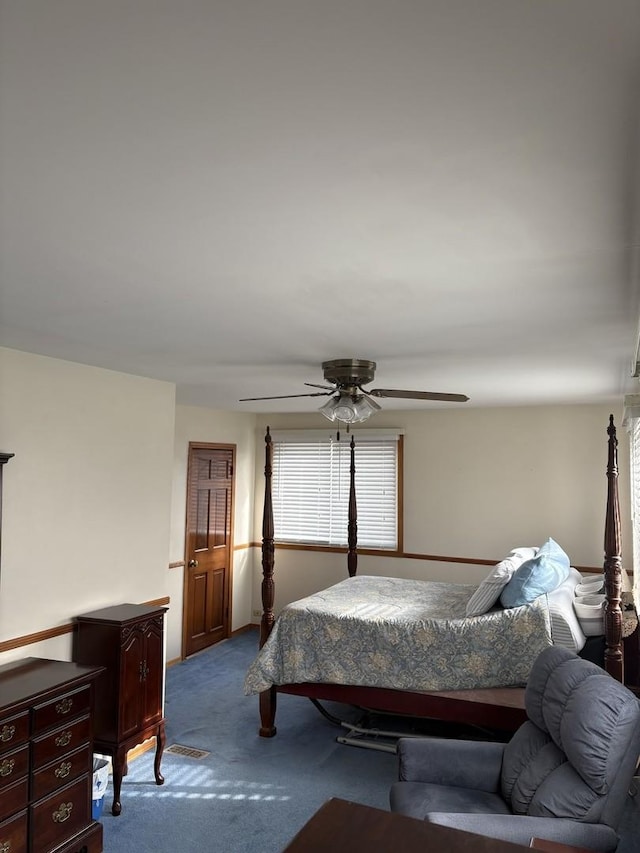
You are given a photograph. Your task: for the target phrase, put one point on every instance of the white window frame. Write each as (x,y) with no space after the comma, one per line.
(310,487)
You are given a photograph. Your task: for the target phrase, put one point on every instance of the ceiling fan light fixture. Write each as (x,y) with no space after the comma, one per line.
(349,409)
(364,407)
(328,409)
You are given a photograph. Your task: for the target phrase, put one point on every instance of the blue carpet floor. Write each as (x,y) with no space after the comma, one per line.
(249,794)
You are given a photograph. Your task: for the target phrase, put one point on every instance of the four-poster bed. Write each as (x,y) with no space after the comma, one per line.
(493,707)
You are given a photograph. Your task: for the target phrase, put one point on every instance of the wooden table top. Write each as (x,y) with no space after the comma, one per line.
(341,826)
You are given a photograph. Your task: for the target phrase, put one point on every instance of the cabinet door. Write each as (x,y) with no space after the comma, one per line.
(132,661)
(153,669)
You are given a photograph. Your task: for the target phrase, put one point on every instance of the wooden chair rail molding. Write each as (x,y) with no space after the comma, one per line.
(59,630)
(373,552)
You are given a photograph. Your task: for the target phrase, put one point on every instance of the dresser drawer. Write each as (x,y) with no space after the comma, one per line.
(64,707)
(59,816)
(60,741)
(14,731)
(13,834)
(89,841)
(14,797)
(13,765)
(61,772)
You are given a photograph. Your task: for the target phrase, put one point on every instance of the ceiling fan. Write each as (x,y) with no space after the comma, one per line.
(350,402)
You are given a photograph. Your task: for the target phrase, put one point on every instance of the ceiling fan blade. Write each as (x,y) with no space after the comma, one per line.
(418,395)
(287,396)
(314,385)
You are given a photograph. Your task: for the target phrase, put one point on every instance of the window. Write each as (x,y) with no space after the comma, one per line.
(311,487)
(634,445)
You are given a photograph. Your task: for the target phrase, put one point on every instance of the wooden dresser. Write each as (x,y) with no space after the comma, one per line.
(128,641)
(46,758)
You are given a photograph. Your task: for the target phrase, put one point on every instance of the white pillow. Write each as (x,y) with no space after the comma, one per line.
(489,590)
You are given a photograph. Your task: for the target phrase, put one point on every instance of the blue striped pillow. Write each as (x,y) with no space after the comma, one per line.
(489,590)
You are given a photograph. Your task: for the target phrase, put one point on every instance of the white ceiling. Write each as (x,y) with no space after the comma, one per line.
(225,193)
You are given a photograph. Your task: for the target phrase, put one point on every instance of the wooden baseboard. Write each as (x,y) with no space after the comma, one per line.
(244,629)
(249,627)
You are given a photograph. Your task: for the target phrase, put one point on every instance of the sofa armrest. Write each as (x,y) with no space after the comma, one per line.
(462,763)
(520,829)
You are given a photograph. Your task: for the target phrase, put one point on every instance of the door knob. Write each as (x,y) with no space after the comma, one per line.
(193,564)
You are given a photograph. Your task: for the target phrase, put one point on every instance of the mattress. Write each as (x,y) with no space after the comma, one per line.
(401,634)
(567,629)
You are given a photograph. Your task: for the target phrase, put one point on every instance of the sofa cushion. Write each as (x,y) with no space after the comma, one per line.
(594,708)
(591,719)
(413,799)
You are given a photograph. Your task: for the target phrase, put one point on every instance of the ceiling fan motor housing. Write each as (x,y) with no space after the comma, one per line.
(349,372)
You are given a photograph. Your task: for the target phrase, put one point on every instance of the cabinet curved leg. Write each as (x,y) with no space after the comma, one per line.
(161,739)
(119,766)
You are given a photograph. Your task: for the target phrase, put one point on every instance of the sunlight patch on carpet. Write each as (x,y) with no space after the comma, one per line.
(205,795)
(187,751)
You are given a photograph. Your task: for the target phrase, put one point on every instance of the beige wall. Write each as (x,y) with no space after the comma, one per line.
(94,499)
(478,482)
(206,425)
(86,502)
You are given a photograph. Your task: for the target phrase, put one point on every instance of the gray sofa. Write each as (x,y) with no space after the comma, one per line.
(564,776)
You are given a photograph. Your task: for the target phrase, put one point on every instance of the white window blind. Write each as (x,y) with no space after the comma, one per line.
(311,488)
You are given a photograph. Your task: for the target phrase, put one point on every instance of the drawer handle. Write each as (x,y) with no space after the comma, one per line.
(64,770)
(63,813)
(64,739)
(6,768)
(5,735)
(65,706)
(5,846)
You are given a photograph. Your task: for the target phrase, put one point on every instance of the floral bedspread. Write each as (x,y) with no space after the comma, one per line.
(398,633)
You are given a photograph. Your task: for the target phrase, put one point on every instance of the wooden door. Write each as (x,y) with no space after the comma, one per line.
(208,545)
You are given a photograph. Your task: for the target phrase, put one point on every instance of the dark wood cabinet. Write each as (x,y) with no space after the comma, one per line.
(46,757)
(128,641)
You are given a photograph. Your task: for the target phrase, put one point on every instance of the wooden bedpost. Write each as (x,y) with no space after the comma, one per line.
(613,659)
(268,588)
(352,526)
(267,697)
